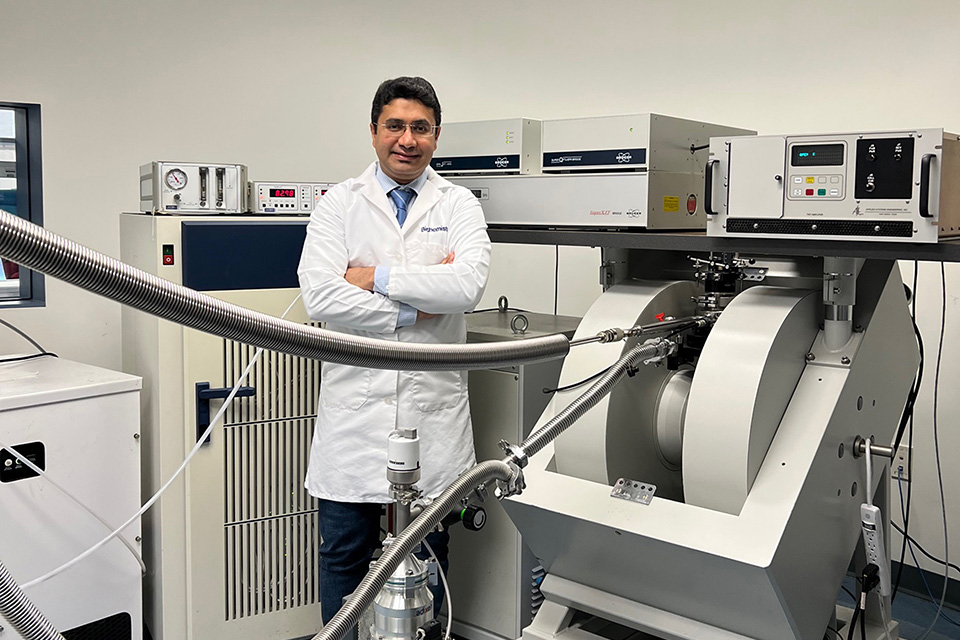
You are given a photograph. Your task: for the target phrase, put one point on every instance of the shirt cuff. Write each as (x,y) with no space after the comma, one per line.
(407,315)
(381,279)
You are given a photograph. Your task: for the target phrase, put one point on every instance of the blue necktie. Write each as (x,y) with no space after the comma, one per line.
(401,198)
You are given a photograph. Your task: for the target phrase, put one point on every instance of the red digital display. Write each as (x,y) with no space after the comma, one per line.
(283,193)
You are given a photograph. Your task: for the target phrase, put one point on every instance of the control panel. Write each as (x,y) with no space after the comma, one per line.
(290,198)
(191,187)
(894,186)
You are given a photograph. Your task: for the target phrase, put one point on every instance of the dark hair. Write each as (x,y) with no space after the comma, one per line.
(409,89)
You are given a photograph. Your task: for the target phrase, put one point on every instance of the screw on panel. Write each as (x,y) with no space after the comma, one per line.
(844,360)
(858,328)
(811,357)
(138,539)
(136,436)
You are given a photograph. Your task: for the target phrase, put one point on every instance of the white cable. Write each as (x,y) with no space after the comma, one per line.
(446,590)
(156,496)
(869,473)
(885,620)
(46,476)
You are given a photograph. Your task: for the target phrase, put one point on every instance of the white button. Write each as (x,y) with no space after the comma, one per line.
(821,179)
(797,179)
(834,192)
(798,192)
(834,179)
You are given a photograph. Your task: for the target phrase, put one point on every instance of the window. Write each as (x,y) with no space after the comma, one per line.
(20,194)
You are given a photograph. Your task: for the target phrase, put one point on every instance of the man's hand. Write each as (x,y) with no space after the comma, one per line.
(422,315)
(360,277)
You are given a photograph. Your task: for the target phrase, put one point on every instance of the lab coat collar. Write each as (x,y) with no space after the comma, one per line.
(429,196)
(371,190)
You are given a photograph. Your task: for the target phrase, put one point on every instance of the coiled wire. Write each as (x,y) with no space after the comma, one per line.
(48,253)
(22,615)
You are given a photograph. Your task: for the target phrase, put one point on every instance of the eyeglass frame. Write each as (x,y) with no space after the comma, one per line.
(407,126)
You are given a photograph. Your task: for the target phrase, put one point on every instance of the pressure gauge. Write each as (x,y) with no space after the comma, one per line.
(176,179)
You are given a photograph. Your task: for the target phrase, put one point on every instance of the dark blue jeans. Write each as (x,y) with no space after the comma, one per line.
(350,533)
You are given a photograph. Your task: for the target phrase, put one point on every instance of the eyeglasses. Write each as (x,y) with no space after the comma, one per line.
(419,129)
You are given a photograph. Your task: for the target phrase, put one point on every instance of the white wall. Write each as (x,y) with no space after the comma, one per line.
(284,87)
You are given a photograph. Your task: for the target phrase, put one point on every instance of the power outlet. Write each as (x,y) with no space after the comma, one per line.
(900,466)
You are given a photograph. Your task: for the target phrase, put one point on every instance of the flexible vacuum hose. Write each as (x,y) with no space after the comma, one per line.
(350,613)
(38,249)
(25,618)
(575,410)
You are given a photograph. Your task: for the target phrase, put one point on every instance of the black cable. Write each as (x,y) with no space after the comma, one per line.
(837,633)
(577,384)
(498,309)
(30,357)
(854,617)
(23,335)
(915,393)
(850,593)
(863,625)
(914,542)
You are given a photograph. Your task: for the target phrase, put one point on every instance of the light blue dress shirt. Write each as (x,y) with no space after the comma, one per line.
(381,275)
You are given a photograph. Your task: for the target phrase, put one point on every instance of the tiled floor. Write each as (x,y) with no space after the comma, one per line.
(914,615)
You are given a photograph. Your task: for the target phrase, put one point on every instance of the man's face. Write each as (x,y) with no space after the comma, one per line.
(403,156)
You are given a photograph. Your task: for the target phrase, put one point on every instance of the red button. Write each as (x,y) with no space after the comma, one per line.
(660,317)
(167,259)
(809,192)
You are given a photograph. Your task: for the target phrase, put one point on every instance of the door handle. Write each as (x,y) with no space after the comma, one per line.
(205,394)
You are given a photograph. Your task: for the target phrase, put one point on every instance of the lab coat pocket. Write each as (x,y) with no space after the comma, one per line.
(426,253)
(344,388)
(437,390)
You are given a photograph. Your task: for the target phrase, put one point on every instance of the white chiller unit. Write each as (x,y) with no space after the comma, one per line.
(238,534)
(81,425)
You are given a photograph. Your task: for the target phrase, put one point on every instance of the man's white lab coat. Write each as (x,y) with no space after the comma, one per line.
(354,225)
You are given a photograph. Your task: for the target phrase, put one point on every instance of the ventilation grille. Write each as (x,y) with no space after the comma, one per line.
(286,386)
(272,565)
(864,228)
(537,574)
(270,531)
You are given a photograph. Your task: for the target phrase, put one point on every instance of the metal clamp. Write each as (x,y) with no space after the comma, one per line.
(518,455)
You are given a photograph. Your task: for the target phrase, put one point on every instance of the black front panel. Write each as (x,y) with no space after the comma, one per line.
(864,228)
(115,627)
(230,255)
(565,160)
(453,164)
(12,469)
(884,169)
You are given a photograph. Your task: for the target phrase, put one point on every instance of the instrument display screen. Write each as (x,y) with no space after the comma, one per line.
(817,155)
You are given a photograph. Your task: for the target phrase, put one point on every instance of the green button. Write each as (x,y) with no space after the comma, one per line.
(821,192)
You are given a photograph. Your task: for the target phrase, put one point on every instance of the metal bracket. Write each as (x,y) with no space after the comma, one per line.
(205,394)
(634,491)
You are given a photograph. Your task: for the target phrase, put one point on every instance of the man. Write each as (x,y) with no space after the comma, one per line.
(397,253)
